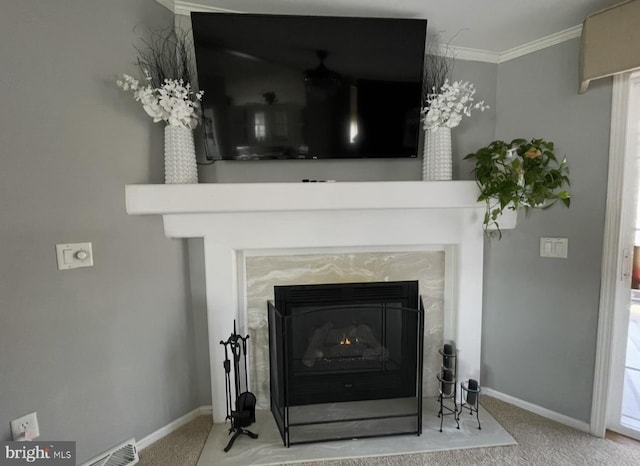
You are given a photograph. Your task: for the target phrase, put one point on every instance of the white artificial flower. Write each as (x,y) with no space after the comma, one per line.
(174,102)
(453,121)
(446,108)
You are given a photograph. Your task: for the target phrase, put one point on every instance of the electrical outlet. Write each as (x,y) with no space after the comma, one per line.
(25,427)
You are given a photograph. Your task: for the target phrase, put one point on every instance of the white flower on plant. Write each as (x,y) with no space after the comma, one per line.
(445,109)
(128,83)
(174,102)
(453,121)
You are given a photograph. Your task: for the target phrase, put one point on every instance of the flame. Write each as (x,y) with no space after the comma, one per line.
(345,340)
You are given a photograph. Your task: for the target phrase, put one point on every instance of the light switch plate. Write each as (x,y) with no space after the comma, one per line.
(554,247)
(74,255)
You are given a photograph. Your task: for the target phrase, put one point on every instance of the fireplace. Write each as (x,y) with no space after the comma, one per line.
(344,343)
(311,217)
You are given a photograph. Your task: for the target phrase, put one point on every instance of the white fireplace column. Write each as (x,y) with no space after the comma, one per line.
(235,218)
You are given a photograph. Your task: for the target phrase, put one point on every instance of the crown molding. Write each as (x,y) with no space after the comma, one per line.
(465,53)
(179,7)
(541,43)
(183,8)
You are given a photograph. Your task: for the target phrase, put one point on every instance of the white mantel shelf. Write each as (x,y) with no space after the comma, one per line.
(272,197)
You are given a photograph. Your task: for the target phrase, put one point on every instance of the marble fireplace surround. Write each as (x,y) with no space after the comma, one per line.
(266,270)
(238,220)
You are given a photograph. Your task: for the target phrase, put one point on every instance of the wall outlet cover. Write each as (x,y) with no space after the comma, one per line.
(25,427)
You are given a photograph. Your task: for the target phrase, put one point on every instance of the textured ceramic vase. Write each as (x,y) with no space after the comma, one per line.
(437,164)
(179,156)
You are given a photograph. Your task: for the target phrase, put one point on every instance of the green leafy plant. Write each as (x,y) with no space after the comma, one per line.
(520,174)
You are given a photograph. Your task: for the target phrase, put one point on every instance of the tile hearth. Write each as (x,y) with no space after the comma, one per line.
(268,448)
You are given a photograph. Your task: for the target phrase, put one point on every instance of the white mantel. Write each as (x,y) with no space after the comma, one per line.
(268,197)
(238,218)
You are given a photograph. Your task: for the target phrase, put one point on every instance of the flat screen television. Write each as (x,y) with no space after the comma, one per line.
(309,87)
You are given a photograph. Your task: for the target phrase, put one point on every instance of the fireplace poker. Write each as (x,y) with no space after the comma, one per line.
(227,379)
(244,413)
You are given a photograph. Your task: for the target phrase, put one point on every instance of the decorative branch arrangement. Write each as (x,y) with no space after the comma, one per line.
(167,54)
(438,64)
(167,66)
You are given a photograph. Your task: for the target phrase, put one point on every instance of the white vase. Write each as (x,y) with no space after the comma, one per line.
(437,162)
(179,156)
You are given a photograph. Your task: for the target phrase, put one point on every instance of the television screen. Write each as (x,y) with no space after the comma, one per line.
(309,87)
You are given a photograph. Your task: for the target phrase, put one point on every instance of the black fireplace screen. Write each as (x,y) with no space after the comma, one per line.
(346,343)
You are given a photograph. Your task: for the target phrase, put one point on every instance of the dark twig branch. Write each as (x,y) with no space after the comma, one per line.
(438,64)
(167,54)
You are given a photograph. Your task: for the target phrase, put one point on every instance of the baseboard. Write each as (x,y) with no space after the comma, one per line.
(172,426)
(539,410)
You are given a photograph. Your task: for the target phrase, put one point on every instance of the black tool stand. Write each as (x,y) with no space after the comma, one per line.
(470,399)
(244,413)
(237,432)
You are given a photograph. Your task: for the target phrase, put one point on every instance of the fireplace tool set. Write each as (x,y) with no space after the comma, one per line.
(244,413)
(469,391)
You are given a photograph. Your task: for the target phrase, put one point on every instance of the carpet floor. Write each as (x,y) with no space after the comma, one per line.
(540,442)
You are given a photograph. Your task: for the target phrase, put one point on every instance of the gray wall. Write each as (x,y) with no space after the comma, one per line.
(540,314)
(102,353)
(479,129)
(200,321)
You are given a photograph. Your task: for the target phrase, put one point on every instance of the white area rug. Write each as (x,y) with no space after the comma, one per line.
(268,448)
